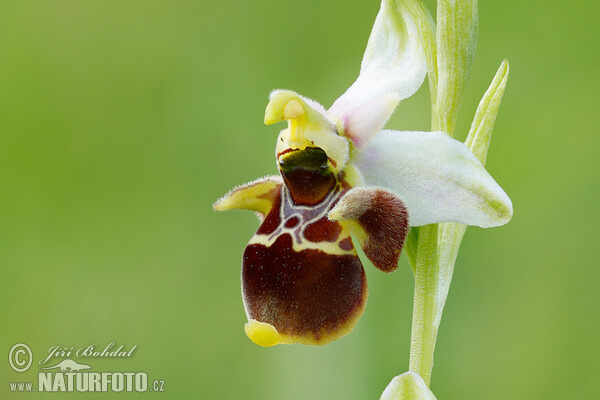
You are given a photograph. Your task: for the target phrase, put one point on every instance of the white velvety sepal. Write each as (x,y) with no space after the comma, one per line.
(437,177)
(392,69)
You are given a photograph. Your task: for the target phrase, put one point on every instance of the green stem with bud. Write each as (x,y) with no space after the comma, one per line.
(432,249)
(450,48)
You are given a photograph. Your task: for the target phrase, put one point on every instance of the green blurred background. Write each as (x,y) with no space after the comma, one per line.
(122,121)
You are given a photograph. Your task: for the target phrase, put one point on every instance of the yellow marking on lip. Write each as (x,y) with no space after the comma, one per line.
(262,334)
(327,247)
(266,335)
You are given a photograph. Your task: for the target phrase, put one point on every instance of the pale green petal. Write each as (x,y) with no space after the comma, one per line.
(393,68)
(408,386)
(437,177)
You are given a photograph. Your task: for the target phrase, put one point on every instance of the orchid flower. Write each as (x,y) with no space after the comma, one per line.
(343,178)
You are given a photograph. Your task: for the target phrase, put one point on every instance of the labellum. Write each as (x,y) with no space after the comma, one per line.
(302,280)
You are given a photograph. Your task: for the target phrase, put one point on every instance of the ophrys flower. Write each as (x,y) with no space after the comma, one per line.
(302,280)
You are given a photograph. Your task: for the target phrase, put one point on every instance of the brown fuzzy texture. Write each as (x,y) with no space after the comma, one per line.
(384,220)
(346,244)
(323,230)
(273,220)
(309,293)
(386,224)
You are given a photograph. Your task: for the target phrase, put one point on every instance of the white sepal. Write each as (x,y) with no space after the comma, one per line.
(437,177)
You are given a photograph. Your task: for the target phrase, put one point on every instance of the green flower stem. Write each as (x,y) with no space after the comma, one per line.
(424,329)
(456,40)
(449,58)
(433,249)
(410,247)
(478,141)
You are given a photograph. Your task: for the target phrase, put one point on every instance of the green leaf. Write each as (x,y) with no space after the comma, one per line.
(478,141)
(480,134)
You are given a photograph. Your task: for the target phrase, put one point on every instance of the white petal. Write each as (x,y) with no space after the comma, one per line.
(392,69)
(437,177)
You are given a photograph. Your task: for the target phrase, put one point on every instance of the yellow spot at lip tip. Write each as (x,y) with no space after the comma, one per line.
(261,333)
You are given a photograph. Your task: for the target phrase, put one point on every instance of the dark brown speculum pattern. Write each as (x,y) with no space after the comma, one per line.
(302,293)
(300,271)
(307,176)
